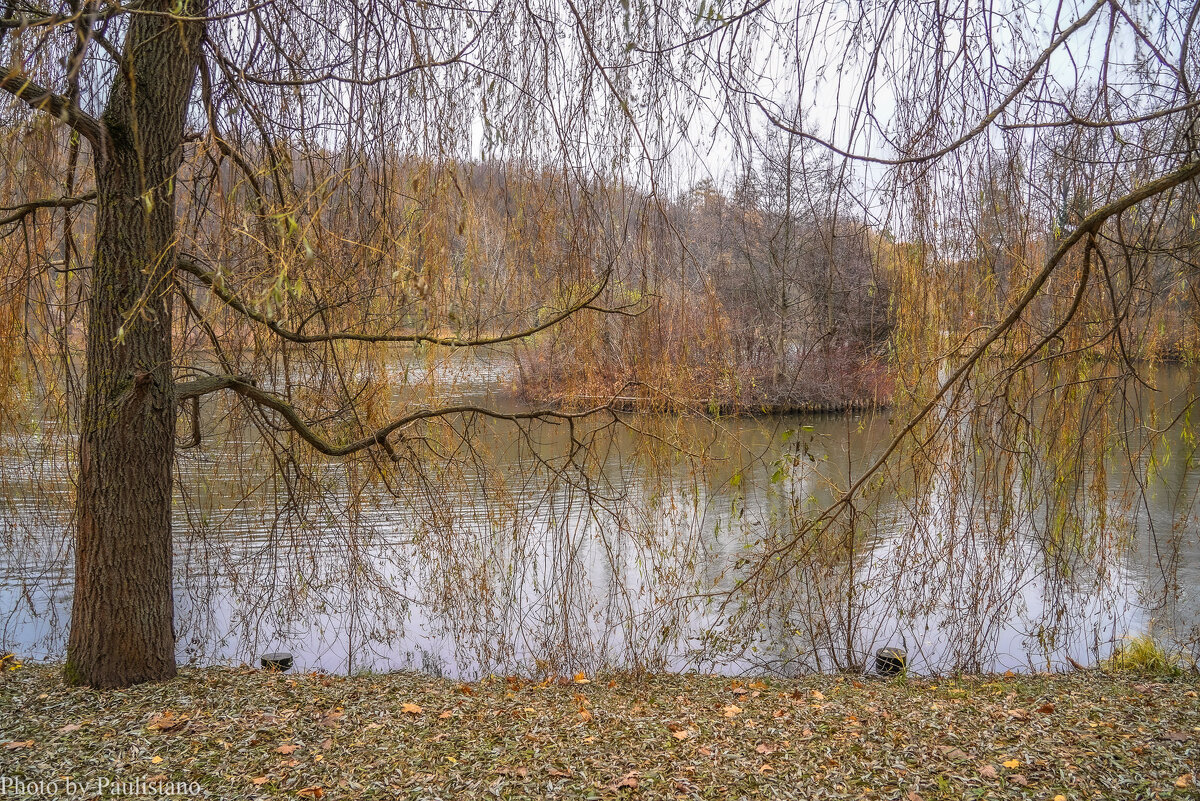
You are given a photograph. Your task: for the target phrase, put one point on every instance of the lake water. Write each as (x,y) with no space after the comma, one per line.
(488,549)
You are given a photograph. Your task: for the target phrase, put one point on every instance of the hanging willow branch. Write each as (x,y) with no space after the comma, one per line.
(1087,228)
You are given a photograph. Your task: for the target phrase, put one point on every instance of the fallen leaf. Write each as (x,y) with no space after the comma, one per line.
(1060,797)
(260,781)
(913,795)
(764,767)
(311,792)
(71,727)
(581,678)
(1046,709)
(763,748)
(446,714)
(1176,736)
(682,734)
(1019,779)
(818,695)
(953,753)
(586,714)
(628,781)
(1185,780)
(1011,763)
(286,749)
(731,711)
(167,722)
(408,707)
(156,759)
(988,772)
(18,744)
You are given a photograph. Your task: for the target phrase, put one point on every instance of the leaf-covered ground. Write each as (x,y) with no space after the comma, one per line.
(251,734)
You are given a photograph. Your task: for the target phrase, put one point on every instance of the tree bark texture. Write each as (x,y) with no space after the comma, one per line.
(123,611)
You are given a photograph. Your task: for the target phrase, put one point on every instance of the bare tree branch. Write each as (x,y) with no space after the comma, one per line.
(40,98)
(247,389)
(22,211)
(190,266)
(979,128)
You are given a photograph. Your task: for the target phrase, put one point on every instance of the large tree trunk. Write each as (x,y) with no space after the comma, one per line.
(122,617)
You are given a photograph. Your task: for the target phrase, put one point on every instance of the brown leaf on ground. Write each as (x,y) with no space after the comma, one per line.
(988,772)
(167,722)
(627,782)
(409,708)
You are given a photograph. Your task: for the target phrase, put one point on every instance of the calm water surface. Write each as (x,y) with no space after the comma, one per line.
(536,554)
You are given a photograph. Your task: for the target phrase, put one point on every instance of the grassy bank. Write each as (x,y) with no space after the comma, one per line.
(249,734)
